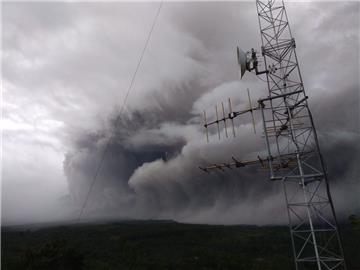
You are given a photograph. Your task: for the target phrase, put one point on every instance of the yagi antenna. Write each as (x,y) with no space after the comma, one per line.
(230,116)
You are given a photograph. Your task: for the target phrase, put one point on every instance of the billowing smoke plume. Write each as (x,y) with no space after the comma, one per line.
(151,168)
(77,60)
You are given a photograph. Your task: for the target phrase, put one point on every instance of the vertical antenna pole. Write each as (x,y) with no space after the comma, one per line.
(217,120)
(267,141)
(223,110)
(231,117)
(206,128)
(251,110)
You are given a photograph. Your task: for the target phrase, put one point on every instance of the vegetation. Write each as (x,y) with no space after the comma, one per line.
(156,245)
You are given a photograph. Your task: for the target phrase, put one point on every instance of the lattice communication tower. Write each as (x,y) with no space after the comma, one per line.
(293,152)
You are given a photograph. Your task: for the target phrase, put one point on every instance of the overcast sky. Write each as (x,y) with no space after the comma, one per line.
(66,68)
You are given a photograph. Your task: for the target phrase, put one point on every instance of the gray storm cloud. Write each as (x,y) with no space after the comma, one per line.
(151,167)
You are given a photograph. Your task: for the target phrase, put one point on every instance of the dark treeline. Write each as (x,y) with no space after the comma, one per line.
(157,245)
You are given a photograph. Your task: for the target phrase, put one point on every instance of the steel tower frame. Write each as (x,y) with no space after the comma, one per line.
(293,152)
(290,133)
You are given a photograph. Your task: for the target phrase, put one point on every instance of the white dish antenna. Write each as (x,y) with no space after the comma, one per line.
(242,61)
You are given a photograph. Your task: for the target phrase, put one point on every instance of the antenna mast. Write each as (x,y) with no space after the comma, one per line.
(294,155)
(289,126)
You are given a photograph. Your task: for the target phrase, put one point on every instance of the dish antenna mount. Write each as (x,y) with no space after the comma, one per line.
(248,62)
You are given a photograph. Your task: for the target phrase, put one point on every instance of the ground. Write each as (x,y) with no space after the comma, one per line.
(156,245)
